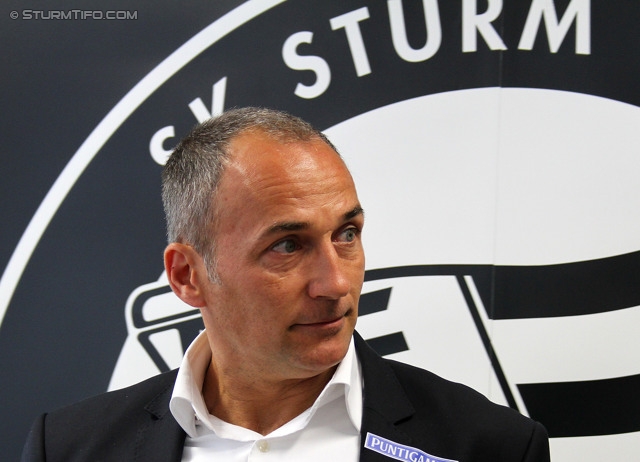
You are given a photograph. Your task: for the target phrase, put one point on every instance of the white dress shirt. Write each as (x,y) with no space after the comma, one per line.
(328,430)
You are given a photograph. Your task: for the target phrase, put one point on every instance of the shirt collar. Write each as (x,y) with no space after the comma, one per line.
(187,404)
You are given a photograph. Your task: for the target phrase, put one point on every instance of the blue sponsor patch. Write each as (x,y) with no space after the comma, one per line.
(399,451)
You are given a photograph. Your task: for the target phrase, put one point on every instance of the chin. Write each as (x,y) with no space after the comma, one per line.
(328,354)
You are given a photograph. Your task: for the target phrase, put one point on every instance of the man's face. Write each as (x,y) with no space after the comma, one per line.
(289,259)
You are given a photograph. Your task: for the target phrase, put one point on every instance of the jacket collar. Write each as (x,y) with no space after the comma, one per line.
(386,405)
(162,439)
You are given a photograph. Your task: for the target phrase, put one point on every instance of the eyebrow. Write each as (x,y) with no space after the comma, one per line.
(289,226)
(357,210)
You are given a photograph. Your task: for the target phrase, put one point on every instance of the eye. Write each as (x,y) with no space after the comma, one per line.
(348,235)
(286,246)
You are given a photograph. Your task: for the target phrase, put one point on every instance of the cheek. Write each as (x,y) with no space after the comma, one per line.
(267,295)
(356,269)
(280,290)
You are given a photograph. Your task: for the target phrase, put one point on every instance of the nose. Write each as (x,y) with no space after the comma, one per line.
(328,274)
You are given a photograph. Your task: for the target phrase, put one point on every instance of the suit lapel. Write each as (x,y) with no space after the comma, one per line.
(385,402)
(162,439)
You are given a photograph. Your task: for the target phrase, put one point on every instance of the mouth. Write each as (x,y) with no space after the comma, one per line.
(328,324)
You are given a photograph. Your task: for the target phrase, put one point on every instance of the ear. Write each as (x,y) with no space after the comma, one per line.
(186,273)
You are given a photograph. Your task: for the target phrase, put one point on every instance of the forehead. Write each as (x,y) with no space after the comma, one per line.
(260,160)
(255,149)
(266,179)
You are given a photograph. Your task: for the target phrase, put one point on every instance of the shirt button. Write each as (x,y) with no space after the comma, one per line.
(263,446)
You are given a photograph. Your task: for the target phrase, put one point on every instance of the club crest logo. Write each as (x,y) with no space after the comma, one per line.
(501,201)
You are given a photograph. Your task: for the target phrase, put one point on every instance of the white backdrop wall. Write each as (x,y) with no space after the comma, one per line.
(495,147)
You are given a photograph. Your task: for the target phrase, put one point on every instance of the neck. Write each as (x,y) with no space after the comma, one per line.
(260,406)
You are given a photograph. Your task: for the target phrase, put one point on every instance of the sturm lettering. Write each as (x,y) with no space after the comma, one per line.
(473,24)
(156,145)
(83,15)
(542,14)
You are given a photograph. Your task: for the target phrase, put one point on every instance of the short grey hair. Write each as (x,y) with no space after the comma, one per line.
(191,176)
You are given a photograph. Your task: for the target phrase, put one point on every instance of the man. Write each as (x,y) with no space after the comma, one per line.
(264,228)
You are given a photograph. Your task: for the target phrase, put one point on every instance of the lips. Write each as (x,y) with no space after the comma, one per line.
(328,322)
(325,323)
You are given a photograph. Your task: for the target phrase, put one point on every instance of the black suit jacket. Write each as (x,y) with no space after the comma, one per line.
(403,404)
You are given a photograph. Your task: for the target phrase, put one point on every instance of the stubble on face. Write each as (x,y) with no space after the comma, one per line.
(289,260)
